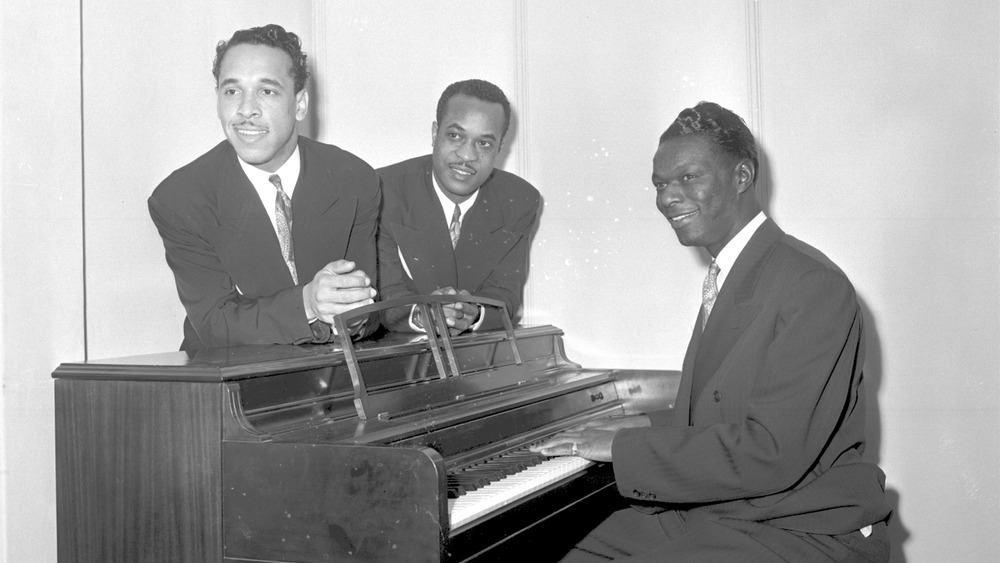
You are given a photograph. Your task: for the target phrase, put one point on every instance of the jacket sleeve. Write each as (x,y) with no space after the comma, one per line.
(218,313)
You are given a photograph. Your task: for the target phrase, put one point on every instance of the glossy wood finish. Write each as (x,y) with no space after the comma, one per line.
(138,471)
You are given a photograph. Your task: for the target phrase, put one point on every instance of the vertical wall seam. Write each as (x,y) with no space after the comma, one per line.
(754,100)
(319,47)
(523,129)
(83,192)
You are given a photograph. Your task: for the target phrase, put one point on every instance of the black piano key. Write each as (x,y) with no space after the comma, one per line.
(455,488)
(491,470)
(473,480)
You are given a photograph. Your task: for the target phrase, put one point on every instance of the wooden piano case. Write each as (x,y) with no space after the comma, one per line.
(321,453)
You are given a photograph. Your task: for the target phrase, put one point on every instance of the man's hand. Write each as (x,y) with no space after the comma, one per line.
(458,316)
(336,289)
(592,440)
(588,443)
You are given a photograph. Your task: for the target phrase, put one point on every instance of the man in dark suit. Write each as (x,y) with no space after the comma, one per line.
(453,224)
(269,234)
(760,458)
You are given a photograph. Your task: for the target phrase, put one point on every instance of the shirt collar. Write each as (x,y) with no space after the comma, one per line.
(288,172)
(729,253)
(448,205)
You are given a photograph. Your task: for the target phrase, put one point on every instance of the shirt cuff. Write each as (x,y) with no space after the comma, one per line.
(413,320)
(479,319)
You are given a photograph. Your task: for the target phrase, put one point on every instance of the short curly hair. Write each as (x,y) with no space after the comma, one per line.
(724,128)
(272,35)
(479,89)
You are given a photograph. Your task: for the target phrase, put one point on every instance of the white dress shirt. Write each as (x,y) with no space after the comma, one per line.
(289,174)
(729,253)
(448,206)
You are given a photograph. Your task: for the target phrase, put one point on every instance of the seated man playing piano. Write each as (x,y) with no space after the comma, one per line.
(760,459)
(453,224)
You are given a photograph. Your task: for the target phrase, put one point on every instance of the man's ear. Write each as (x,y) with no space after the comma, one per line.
(434,131)
(745,175)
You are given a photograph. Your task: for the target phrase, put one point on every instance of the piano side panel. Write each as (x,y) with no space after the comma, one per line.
(138,471)
(317,502)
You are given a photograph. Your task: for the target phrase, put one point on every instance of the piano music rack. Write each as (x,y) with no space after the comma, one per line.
(395,398)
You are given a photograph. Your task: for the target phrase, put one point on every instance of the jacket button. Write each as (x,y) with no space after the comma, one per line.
(717,396)
(636,493)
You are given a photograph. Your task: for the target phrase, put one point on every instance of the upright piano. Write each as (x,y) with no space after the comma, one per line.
(403,448)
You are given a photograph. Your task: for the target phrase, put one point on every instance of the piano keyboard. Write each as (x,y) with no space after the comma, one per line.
(528,476)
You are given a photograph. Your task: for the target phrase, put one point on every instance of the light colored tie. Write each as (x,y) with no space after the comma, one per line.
(455,228)
(709,291)
(283,216)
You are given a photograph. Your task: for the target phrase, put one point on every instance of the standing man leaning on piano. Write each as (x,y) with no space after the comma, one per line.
(452,223)
(269,234)
(760,458)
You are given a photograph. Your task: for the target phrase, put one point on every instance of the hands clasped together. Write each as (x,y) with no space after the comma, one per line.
(337,288)
(591,440)
(459,316)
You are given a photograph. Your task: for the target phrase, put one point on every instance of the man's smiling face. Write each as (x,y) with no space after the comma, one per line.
(698,191)
(466,145)
(258,106)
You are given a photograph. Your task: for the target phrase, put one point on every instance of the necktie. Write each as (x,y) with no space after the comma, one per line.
(709,291)
(283,216)
(455,228)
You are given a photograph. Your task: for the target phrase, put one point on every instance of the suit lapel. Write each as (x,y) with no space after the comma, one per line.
(322,219)
(423,238)
(734,308)
(246,244)
(484,240)
(683,403)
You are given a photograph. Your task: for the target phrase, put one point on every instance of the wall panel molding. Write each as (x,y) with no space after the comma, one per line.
(754,97)
(523,154)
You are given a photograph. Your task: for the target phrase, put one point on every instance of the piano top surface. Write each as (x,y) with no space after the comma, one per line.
(242,362)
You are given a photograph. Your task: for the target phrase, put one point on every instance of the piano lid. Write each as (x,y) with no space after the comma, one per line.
(390,376)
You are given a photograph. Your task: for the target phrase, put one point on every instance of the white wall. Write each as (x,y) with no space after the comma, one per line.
(41,258)
(879,123)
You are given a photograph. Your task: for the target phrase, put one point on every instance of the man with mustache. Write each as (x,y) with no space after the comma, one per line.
(760,458)
(453,224)
(269,234)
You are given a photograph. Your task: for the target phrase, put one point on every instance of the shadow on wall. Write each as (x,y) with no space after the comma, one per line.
(898,534)
(310,125)
(763,182)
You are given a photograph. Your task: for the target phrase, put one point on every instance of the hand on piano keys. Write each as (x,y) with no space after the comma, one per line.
(591,440)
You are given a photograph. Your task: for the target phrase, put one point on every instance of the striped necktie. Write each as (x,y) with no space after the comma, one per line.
(283,216)
(455,228)
(709,291)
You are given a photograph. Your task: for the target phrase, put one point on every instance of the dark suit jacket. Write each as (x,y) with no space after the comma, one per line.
(225,256)
(770,416)
(491,258)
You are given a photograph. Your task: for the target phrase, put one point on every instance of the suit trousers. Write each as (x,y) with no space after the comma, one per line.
(634,536)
